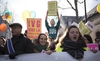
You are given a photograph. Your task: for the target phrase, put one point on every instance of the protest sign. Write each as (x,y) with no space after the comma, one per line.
(83,28)
(52,8)
(34,27)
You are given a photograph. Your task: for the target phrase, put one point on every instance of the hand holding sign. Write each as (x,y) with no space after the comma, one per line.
(43,51)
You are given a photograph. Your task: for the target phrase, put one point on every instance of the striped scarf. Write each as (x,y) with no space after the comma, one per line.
(75,49)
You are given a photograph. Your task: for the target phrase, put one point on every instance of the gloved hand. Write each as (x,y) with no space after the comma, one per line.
(12,55)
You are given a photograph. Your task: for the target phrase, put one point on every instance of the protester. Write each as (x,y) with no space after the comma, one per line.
(41,45)
(52,30)
(87,38)
(53,44)
(97,40)
(72,43)
(18,44)
(25,33)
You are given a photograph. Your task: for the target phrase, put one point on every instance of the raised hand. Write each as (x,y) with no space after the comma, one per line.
(57,12)
(46,15)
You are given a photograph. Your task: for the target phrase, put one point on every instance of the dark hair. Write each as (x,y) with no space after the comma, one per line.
(89,38)
(73,26)
(40,35)
(25,31)
(97,39)
(67,35)
(98,34)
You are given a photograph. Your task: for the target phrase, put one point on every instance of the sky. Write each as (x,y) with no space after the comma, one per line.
(40,8)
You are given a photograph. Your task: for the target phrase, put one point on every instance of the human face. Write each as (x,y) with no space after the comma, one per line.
(97,41)
(43,40)
(1,42)
(85,39)
(52,22)
(74,34)
(16,30)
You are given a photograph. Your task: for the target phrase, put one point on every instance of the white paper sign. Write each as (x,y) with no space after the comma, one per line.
(90,25)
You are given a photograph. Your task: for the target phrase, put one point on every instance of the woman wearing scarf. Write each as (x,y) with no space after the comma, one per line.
(41,45)
(73,44)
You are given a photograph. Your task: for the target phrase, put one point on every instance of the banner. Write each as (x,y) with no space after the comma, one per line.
(83,28)
(52,8)
(34,27)
(62,56)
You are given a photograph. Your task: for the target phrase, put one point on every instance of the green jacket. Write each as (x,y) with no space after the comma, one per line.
(52,30)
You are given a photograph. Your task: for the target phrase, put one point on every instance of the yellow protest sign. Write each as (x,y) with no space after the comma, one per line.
(52,8)
(83,29)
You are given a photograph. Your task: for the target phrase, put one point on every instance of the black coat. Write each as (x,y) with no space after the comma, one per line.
(21,45)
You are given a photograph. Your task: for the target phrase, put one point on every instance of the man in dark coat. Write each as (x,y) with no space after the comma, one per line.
(21,44)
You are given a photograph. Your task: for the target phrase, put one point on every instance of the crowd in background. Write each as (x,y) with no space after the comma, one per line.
(70,41)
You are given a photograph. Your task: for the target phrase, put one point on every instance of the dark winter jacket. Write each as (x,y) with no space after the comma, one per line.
(21,45)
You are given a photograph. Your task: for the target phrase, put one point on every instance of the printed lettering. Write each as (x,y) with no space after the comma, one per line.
(38,23)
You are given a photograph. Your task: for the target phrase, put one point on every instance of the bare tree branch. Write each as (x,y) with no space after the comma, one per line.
(75,9)
(71,5)
(80,2)
(64,8)
(3,6)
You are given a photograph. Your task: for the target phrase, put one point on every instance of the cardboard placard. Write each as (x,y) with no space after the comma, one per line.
(34,27)
(52,8)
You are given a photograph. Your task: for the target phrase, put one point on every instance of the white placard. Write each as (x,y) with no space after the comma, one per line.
(90,25)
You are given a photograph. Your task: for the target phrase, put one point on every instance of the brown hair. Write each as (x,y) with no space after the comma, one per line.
(67,33)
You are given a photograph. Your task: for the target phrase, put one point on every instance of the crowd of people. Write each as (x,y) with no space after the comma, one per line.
(71,41)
